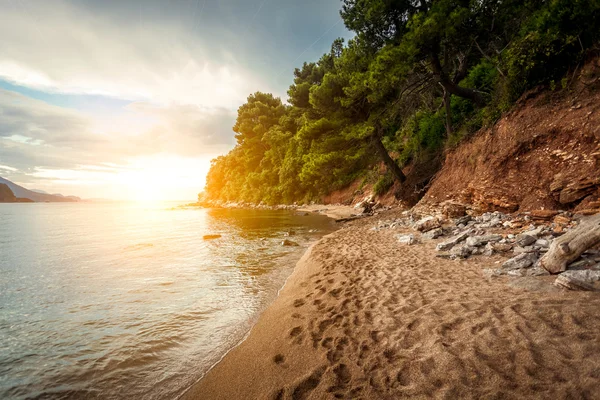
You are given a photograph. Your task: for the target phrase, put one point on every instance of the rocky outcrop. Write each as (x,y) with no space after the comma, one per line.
(544,155)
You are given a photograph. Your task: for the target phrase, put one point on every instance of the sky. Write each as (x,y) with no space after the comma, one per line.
(131,99)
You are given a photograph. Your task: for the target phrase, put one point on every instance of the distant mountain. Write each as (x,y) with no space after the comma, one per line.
(22,193)
(7,196)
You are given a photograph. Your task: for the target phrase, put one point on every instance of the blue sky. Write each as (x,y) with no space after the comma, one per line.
(102,98)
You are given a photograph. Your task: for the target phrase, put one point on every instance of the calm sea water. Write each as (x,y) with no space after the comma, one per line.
(118,301)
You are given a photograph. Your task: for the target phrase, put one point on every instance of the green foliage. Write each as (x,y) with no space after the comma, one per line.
(384,184)
(389,85)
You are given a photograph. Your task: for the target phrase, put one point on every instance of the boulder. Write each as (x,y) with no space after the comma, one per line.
(453,210)
(579,280)
(406,239)
(488,250)
(427,224)
(463,251)
(524,260)
(543,243)
(525,240)
(287,242)
(433,234)
(450,243)
(502,247)
(463,220)
(475,241)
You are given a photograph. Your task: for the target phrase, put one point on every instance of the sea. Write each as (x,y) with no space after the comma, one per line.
(129,300)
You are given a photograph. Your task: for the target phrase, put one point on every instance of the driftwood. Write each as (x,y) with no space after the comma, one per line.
(569,247)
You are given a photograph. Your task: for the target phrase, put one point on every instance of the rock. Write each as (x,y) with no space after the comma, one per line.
(492,272)
(427,224)
(589,211)
(287,242)
(463,220)
(461,251)
(489,250)
(453,210)
(581,264)
(481,240)
(578,280)
(521,250)
(537,232)
(502,247)
(544,243)
(524,260)
(450,243)
(525,240)
(210,237)
(543,214)
(562,220)
(433,234)
(289,233)
(406,239)
(537,271)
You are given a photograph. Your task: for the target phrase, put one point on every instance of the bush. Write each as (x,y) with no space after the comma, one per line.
(384,184)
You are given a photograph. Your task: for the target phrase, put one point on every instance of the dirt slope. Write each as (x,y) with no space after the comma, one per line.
(545,154)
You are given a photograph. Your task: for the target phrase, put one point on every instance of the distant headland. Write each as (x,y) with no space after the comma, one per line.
(12,193)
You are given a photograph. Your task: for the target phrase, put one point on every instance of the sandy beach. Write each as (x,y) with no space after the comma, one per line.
(365,317)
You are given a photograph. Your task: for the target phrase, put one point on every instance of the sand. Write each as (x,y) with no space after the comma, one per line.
(363,317)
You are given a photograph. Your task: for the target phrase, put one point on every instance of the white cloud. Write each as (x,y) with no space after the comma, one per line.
(56,46)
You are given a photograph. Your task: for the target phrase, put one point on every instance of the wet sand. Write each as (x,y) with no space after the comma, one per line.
(365,317)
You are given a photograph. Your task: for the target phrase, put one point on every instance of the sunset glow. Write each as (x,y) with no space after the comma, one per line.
(131,100)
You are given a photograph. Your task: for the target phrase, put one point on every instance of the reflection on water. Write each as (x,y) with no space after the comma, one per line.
(114,301)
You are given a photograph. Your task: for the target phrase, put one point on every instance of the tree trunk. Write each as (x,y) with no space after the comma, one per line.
(569,247)
(441,76)
(448,113)
(389,161)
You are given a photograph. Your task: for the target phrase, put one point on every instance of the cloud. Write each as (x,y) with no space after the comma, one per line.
(61,47)
(160,50)
(149,85)
(39,141)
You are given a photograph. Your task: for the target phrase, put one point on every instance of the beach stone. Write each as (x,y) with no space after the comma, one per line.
(427,224)
(524,260)
(288,242)
(581,264)
(544,243)
(521,250)
(492,272)
(450,243)
(453,210)
(502,247)
(434,233)
(481,240)
(536,232)
(525,240)
(463,251)
(488,250)
(406,239)
(578,280)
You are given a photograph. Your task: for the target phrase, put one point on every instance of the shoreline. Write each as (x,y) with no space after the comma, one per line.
(364,317)
(306,254)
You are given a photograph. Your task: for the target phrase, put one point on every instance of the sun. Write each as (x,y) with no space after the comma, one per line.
(160,178)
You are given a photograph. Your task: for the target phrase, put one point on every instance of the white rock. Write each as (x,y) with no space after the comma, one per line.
(481,240)
(524,260)
(450,243)
(406,239)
